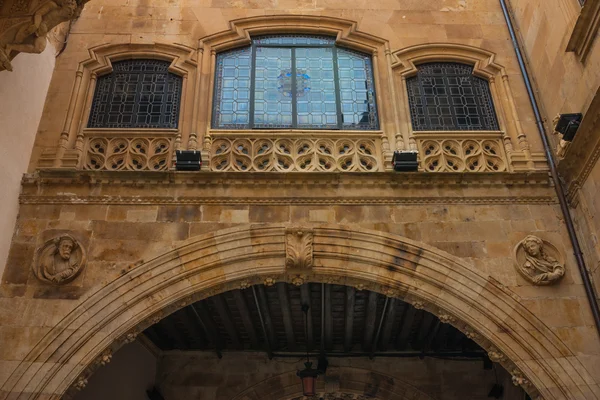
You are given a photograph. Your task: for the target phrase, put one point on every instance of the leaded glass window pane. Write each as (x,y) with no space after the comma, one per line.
(357,90)
(137,94)
(315,95)
(232,108)
(295,81)
(447,96)
(273,88)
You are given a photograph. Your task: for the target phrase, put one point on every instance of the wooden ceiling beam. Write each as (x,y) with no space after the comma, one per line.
(286,312)
(370,319)
(328,319)
(305,299)
(203,318)
(199,336)
(405,327)
(260,300)
(349,320)
(227,320)
(390,317)
(242,305)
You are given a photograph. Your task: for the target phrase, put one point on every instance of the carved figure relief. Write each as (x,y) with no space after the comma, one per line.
(59,261)
(299,248)
(537,260)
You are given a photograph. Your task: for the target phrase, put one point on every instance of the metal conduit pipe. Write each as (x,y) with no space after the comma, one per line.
(562,199)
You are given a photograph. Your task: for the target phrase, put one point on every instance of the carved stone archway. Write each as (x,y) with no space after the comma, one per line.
(445,285)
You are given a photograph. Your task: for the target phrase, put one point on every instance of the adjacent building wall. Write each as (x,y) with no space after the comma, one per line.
(565,84)
(22,97)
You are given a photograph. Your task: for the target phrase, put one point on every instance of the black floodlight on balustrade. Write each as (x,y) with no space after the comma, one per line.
(568,124)
(405,161)
(188,160)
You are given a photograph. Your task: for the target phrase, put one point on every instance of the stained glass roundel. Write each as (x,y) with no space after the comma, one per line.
(294,81)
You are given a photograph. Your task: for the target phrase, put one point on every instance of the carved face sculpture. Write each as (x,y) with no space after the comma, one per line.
(65,247)
(532,247)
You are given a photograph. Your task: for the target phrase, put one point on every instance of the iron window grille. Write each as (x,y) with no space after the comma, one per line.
(448,97)
(295,82)
(137,94)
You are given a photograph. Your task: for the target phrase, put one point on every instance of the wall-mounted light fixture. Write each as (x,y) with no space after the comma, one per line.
(188,160)
(405,161)
(567,125)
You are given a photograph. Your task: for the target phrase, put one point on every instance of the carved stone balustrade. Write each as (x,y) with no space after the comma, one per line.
(462,152)
(299,153)
(128,152)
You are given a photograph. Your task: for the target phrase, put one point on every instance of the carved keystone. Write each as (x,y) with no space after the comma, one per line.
(299,248)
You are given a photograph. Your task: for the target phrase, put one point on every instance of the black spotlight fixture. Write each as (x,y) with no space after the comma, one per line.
(567,125)
(188,160)
(308,375)
(497,391)
(405,161)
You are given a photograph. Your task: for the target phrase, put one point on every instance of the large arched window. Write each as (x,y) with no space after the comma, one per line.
(448,97)
(294,81)
(137,94)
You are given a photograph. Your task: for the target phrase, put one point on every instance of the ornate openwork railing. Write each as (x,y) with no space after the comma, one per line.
(462,152)
(128,153)
(295,154)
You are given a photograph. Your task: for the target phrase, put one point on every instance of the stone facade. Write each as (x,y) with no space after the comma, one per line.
(151,242)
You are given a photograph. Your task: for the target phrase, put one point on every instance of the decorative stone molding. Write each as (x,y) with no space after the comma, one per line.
(104,358)
(537,261)
(303,154)
(585,30)
(419,305)
(496,356)
(461,152)
(244,285)
(391,292)
(512,136)
(269,281)
(80,384)
(298,280)
(446,318)
(60,260)
(24,25)
(518,379)
(299,248)
(131,336)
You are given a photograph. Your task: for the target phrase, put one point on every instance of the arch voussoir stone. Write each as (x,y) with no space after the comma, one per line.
(115,312)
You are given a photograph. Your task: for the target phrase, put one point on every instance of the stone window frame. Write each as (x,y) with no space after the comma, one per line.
(70,150)
(511,133)
(239,35)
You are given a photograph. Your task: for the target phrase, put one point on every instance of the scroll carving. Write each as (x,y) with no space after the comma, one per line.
(299,248)
(25,30)
(59,260)
(537,260)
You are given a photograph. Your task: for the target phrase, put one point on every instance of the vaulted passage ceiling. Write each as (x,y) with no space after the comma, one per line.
(341,320)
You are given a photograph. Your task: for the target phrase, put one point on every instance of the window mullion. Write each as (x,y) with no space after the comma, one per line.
(336,82)
(294,91)
(252,87)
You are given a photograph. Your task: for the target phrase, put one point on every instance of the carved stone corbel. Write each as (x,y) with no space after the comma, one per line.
(299,248)
(24,25)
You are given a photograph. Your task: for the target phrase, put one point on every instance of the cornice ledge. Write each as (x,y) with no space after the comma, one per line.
(394,179)
(585,29)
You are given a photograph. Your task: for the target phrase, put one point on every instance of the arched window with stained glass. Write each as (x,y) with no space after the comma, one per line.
(294,82)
